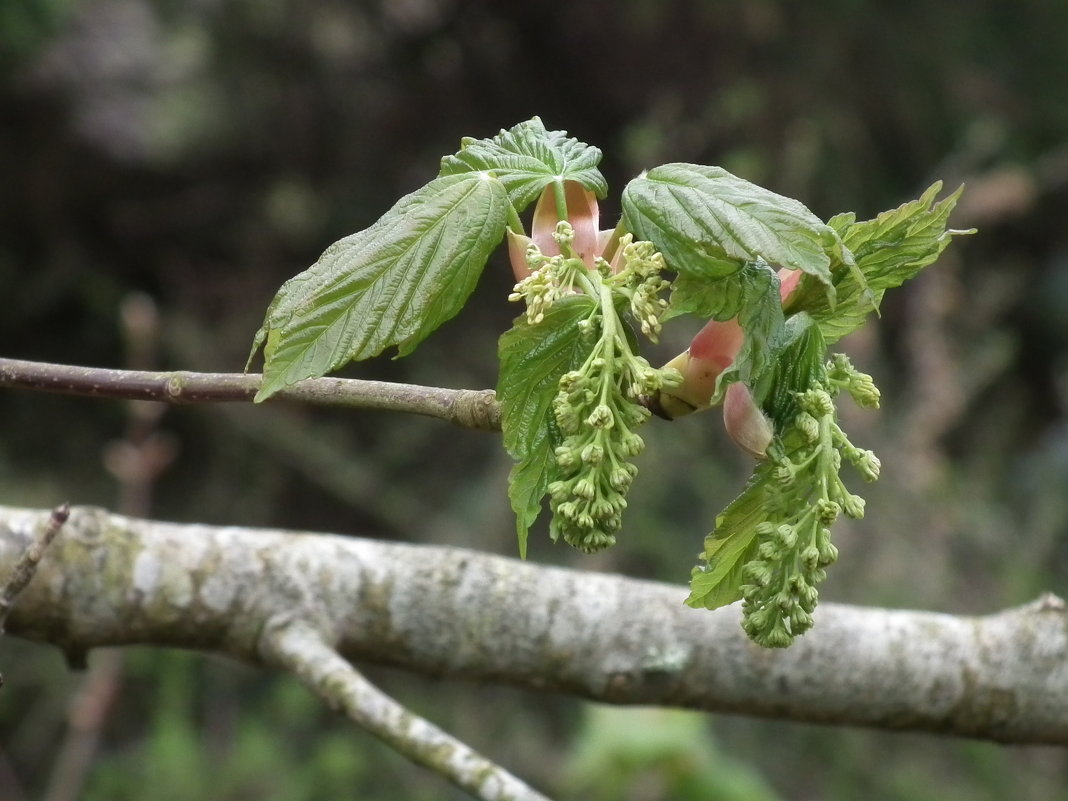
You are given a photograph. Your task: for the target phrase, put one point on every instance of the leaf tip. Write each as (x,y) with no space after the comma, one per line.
(522,533)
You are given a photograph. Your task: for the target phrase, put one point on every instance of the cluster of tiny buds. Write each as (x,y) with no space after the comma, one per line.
(597,420)
(539,290)
(817,402)
(645,263)
(550,276)
(564,236)
(808,425)
(780,590)
(861,387)
(866,463)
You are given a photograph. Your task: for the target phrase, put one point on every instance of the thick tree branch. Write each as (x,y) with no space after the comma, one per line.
(465,407)
(110,580)
(301,650)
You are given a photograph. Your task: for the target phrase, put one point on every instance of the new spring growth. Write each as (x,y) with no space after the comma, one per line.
(711,352)
(794,544)
(596,406)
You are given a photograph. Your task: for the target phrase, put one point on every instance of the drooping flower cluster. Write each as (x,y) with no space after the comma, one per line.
(597,411)
(598,422)
(596,408)
(793,543)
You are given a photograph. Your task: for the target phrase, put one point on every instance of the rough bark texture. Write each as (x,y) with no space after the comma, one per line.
(110,580)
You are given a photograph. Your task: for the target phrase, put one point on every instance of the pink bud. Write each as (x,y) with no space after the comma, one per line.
(788,281)
(746,424)
(710,353)
(582,213)
(517,254)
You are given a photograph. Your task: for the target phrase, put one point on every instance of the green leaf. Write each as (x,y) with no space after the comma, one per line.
(533,357)
(797,364)
(709,223)
(887,251)
(391,284)
(528,483)
(730,546)
(526,158)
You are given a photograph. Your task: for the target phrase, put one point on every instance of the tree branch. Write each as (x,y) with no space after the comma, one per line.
(468,408)
(301,650)
(111,580)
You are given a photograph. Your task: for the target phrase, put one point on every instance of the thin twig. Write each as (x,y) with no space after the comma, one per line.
(467,408)
(301,650)
(27,564)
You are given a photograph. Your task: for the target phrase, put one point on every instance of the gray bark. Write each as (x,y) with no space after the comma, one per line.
(110,580)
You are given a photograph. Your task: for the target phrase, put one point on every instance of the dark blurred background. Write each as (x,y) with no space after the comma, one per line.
(165,166)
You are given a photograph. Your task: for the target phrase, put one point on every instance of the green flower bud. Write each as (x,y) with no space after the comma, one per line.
(836,460)
(636,415)
(570,380)
(631,444)
(566,416)
(770,550)
(566,459)
(601,417)
(868,465)
(610,518)
(785,472)
(840,367)
(670,378)
(808,426)
(778,637)
(564,234)
(827,511)
(592,454)
(595,540)
(758,572)
(800,621)
(863,390)
(828,554)
(757,620)
(559,490)
(810,558)
(622,476)
(584,489)
(786,536)
(816,402)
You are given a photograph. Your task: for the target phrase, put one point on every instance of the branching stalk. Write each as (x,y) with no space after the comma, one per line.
(300,649)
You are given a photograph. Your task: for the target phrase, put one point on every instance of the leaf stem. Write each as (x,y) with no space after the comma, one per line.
(561,200)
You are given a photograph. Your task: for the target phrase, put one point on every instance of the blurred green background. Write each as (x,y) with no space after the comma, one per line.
(165,166)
